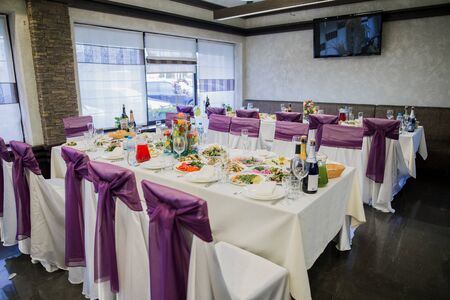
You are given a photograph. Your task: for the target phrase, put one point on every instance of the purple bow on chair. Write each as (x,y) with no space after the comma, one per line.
(215,111)
(4,156)
(247,113)
(186,109)
(110,181)
(77,169)
(342,136)
(252,125)
(288,116)
(171,212)
(23,159)
(379,130)
(284,130)
(75,126)
(317,122)
(219,123)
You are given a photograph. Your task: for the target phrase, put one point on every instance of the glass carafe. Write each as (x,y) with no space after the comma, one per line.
(323,176)
(142,152)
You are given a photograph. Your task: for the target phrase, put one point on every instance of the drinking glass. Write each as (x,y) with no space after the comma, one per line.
(87,137)
(342,115)
(323,175)
(390,114)
(91,129)
(179,144)
(249,105)
(100,132)
(131,152)
(283,108)
(158,131)
(244,137)
(360,117)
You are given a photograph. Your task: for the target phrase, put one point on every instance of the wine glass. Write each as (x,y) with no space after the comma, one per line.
(244,137)
(249,105)
(179,144)
(283,108)
(90,129)
(390,114)
(298,168)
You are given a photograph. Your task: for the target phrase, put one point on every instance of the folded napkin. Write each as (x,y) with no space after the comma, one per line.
(207,172)
(264,189)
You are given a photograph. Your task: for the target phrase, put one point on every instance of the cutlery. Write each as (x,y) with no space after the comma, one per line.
(210,184)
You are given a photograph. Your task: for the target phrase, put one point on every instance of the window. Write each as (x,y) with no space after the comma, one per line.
(170,73)
(216,73)
(149,73)
(11,124)
(110,73)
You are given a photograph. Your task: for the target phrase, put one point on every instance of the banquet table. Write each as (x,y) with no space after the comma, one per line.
(290,233)
(412,143)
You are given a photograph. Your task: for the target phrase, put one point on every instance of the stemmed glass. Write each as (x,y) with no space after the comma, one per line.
(283,108)
(244,138)
(158,131)
(179,144)
(390,114)
(91,129)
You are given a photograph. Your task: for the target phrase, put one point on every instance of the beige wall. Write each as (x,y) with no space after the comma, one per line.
(413,69)
(23,61)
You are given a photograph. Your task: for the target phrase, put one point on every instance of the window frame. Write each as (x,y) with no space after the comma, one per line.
(8,30)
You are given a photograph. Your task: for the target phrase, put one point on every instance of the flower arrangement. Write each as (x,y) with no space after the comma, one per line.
(308,108)
(181,127)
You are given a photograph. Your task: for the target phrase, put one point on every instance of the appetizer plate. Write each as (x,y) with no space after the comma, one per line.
(243,179)
(187,167)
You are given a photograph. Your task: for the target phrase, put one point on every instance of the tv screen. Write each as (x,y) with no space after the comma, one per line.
(348,36)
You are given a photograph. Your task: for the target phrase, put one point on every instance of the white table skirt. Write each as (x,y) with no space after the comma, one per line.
(291,234)
(411,143)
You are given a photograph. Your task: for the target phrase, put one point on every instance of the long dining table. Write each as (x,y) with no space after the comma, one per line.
(290,233)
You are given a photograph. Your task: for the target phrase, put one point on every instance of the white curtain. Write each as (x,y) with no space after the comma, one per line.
(216,72)
(11,126)
(110,73)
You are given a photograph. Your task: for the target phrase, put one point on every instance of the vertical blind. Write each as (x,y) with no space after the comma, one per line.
(10,127)
(111,73)
(216,72)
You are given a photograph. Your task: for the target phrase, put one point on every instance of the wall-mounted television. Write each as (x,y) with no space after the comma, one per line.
(351,35)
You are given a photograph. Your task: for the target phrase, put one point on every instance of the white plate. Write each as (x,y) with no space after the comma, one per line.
(244,173)
(112,157)
(191,177)
(278,194)
(151,165)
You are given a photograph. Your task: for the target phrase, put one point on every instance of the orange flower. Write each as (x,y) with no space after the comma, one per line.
(181,115)
(167,133)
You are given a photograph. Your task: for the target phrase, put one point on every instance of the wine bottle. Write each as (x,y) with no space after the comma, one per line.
(311,181)
(131,122)
(124,114)
(124,119)
(289,109)
(412,121)
(207,104)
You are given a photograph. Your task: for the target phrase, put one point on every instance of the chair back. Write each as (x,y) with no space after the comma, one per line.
(75,126)
(110,182)
(379,130)
(4,156)
(285,130)
(169,118)
(316,121)
(171,213)
(288,116)
(337,136)
(215,111)
(219,123)
(186,109)
(23,159)
(251,124)
(247,113)
(77,169)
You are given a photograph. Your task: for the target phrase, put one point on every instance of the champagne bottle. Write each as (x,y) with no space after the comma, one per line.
(124,114)
(207,104)
(124,119)
(131,122)
(412,121)
(311,181)
(303,140)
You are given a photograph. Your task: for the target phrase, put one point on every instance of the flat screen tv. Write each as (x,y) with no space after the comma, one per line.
(352,35)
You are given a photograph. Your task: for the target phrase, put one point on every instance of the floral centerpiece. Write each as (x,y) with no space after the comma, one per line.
(308,109)
(181,128)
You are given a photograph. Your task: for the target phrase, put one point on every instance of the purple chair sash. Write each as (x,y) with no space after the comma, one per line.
(4,156)
(171,212)
(77,169)
(288,116)
(251,124)
(75,126)
(285,130)
(317,121)
(219,123)
(110,181)
(247,113)
(342,136)
(169,118)
(215,111)
(379,129)
(189,110)
(23,159)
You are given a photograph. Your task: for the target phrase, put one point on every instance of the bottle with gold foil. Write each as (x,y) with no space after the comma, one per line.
(311,181)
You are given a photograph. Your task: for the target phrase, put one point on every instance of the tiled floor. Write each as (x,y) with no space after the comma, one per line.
(394,256)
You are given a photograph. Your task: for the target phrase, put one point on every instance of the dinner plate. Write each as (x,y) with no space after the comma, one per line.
(151,165)
(192,177)
(278,194)
(112,157)
(244,184)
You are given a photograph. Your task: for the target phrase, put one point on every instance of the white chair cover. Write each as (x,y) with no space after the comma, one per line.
(131,251)
(223,271)
(9,220)
(235,142)
(217,137)
(283,148)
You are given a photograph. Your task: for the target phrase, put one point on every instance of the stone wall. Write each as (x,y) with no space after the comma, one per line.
(53,59)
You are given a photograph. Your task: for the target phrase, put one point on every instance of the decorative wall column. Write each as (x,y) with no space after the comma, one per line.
(53,58)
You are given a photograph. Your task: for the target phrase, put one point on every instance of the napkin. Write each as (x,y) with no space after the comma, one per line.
(264,189)
(207,172)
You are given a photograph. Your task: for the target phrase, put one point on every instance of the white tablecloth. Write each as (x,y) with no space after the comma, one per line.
(291,234)
(411,143)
